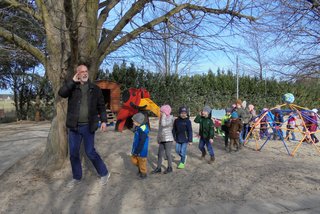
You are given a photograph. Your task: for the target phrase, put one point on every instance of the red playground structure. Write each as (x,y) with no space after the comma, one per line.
(134,100)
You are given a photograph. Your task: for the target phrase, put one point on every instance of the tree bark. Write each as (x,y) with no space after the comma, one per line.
(56,151)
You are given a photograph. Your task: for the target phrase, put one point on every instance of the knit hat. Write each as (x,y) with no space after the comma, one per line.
(183,109)
(315,110)
(139,118)
(234,115)
(166,109)
(251,107)
(228,110)
(207,109)
(244,104)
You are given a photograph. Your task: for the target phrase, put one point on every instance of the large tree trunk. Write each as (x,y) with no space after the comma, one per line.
(56,151)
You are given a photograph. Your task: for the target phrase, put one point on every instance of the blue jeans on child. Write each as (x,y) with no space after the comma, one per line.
(244,132)
(290,131)
(181,150)
(205,142)
(277,132)
(75,138)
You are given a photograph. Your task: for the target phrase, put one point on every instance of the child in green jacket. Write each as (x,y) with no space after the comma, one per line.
(206,132)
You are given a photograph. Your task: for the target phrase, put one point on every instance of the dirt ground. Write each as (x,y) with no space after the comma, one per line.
(235,177)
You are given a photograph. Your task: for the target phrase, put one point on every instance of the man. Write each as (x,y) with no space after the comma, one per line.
(85,102)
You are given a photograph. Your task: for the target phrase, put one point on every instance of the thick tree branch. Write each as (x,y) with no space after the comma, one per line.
(24,8)
(105,12)
(148,26)
(232,13)
(315,3)
(135,8)
(103,4)
(45,17)
(23,44)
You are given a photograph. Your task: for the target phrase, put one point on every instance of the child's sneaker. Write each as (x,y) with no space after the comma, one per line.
(142,176)
(185,159)
(203,155)
(156,171)
(181,165)
(104,179)
(211,160)
(73,183)
(168,170)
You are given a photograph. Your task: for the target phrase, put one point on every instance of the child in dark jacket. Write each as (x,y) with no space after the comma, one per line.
(313,125)
(278,121)
(291,124)
(235,127)
(139,151)
(224,122)
(206,132)
(182,133)
(265,122)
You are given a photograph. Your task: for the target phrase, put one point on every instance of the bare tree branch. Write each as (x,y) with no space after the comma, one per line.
(315,3)
(24,8)
(23,44)
(103,4)
(108,5)
(135,8)
(149,26)
(232,13)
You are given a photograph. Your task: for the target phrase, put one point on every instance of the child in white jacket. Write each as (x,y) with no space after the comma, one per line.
(165,138)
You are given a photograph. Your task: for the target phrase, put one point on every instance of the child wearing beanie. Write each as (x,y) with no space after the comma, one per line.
(182,133)
(235,127)
(206,132)
(140,144)
(165,138)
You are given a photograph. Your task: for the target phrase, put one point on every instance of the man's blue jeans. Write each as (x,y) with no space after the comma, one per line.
(203,143)
(75,138)
(181,150)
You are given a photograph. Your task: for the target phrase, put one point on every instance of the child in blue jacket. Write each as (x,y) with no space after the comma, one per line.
(182,134)
(140,144)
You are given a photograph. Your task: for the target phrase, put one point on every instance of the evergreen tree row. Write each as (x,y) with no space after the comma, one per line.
(217,90)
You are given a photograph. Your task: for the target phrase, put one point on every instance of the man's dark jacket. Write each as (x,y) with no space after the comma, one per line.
(96,105)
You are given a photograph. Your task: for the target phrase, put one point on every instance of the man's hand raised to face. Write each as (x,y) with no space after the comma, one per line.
(76,77)
(103,127)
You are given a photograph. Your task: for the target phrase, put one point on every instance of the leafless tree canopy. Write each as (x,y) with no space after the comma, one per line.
(290,32)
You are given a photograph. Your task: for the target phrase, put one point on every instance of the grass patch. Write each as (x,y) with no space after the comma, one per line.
(9,111)
(7,105)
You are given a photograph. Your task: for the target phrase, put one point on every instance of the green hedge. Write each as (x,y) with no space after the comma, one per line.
(217,90)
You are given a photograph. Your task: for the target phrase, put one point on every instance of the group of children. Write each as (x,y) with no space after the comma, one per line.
(275,120)
(170,129)
(236,124)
